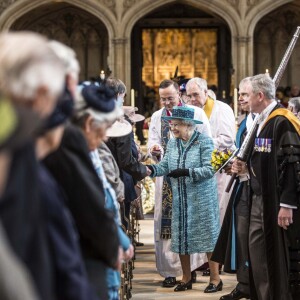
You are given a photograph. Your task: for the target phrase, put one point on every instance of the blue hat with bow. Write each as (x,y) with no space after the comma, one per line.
(183,113)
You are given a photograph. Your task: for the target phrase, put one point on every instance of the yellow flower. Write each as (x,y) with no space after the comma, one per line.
(218,158)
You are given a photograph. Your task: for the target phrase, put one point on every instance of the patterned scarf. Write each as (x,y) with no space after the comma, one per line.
(111,202)
(165,232)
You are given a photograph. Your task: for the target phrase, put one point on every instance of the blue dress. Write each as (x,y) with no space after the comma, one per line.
(195,219)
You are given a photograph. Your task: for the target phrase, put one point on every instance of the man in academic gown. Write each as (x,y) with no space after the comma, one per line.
(273,167)
(232,246)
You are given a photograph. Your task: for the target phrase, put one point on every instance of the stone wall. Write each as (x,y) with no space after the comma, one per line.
(253,50)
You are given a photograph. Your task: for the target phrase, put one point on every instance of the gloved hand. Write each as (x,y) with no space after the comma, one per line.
(150,168)
(178,173)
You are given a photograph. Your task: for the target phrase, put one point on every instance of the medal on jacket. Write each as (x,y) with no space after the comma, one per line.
(256,145)
(263,145)
(269,144)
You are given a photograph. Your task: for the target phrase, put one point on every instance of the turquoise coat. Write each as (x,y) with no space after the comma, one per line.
(195,210)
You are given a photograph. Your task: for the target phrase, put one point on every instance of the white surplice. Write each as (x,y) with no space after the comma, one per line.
(223,129)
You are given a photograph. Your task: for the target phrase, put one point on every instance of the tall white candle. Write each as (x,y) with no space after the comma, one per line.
(102,75)
(235,102)
(267,72)
(206,68)
(132,97)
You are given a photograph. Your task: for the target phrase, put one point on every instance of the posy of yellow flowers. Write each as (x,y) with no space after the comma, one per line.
(219,158)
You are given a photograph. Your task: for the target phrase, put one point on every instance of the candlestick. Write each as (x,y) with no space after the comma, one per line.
(102,75)
(235,102)
(132,98)
(206,68)
(267,72)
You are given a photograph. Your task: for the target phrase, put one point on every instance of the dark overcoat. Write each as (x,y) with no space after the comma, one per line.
(72,168)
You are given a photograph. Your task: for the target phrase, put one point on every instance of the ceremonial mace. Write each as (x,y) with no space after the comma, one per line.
(245,149)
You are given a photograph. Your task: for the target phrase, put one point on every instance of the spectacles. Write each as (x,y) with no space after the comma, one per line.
(175,125)
(169,99)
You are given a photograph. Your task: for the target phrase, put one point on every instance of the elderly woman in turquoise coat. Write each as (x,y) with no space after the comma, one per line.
(195,211)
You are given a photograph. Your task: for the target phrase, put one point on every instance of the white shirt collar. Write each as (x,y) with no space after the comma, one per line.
(264,115)
(249,121)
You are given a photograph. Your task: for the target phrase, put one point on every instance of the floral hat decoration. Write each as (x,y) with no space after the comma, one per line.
(183,113)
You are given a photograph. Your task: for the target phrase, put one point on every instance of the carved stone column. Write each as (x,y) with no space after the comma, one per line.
(243,56)
(120,63)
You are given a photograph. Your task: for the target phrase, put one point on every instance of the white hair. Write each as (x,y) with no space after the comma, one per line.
(189,123)
(28,63)
(212,94)
(68,57)
(295,102)
(200,82)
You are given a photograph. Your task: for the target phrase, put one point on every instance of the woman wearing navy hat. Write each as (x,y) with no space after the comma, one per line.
(96,110)
(195,217)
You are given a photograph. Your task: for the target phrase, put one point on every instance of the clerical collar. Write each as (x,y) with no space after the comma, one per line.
(169,113)
(264,115)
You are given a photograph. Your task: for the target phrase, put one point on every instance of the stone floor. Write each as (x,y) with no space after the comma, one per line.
(147,282)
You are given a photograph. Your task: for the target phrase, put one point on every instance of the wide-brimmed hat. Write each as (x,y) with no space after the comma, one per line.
(121,127)
(183,113)
(129,111)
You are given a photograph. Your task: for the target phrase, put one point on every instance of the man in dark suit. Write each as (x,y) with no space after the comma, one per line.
(231,249)
(273,167)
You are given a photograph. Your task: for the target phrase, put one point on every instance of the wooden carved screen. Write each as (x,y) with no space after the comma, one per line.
(193,50)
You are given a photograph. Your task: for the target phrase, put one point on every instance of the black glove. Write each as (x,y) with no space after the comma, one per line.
(151,168)
(178,173)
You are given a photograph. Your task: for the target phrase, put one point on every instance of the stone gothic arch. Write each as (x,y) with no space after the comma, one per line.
(272,35)
(262,9)
(19,8)
(143,8)
(240,16)
(13,10)
(258,10)
(120,16)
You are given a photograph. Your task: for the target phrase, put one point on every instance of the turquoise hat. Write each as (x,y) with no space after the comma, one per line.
(183,113)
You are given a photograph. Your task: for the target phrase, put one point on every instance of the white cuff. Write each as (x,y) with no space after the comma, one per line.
(244,177)
(288,206)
